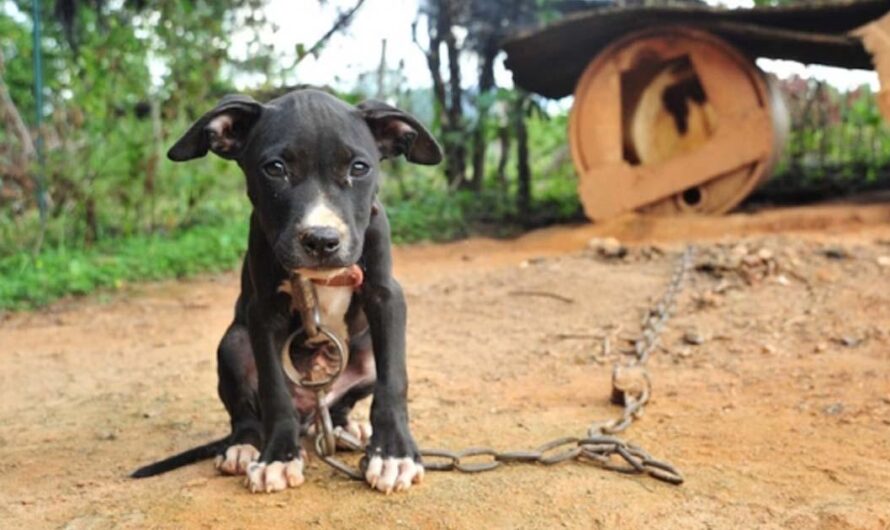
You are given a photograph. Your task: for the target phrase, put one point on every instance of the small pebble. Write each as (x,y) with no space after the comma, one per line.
(835,253)
(834,409)
(607,247)
(850,342)
(693,337)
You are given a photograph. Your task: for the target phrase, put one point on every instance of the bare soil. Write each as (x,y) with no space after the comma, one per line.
(779,418)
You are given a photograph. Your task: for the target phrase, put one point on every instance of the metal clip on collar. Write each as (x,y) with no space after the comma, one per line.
(306,302)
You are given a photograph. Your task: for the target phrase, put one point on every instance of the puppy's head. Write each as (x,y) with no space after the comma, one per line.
(312,166)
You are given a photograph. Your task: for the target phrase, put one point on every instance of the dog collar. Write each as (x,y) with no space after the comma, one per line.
(352,276)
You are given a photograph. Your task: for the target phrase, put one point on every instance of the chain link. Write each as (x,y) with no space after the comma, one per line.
(631,388)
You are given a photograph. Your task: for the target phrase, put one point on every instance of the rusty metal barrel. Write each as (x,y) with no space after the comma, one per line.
(673,121)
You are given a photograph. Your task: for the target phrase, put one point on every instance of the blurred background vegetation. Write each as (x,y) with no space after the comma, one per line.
(121,79)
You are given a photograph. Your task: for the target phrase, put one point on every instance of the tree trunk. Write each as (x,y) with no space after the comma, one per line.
(480,142)
(91,221)
(523,171)
(455,149)
(381,72)
(504,139)
(448,98)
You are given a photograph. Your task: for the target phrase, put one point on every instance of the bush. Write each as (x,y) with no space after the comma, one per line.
(28,281)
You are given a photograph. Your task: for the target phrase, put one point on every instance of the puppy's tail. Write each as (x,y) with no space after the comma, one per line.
(184,458)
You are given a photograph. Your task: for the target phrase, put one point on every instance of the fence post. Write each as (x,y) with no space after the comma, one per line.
(38,115)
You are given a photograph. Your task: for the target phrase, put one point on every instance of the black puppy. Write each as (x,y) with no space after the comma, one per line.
(311,163)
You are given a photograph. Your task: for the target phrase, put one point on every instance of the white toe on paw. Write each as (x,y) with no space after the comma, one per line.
(274,476)
(393,474)
(236,459)
(360,430)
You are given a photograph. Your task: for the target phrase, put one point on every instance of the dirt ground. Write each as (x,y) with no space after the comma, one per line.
(779,416)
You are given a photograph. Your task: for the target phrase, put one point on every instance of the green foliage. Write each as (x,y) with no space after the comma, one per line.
(210,234)
(122,186)
(140,74)
(27,281)
(422,208)
(106,127)
(19,73)
(555,186)
(118,210)
(838,142)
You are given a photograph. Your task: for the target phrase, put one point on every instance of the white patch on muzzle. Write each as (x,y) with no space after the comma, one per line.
(321,215)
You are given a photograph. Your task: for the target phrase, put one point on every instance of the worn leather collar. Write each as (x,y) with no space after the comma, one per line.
(347,277)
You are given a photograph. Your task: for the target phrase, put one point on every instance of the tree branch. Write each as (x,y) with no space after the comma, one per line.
(433,62)
(342,21)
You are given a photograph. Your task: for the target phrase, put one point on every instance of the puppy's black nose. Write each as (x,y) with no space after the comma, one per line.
(321,241)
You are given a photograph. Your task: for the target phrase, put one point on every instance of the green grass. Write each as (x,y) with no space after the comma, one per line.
(27,282)
(427,217)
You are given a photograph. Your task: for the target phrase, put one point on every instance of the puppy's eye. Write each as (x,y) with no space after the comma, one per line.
(275,169)
(359,169)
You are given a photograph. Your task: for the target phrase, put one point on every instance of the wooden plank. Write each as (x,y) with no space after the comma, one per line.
(597,124)
(884,102)
(731,83)
(610,189)
(876,39)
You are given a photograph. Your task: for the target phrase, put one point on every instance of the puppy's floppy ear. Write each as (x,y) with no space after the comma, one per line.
(223,130)
(399,133)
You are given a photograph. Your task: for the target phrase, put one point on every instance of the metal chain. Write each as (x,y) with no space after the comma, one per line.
(631,387)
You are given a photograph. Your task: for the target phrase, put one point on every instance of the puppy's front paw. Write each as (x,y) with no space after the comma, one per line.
(393,460)
(388,474)
(274,476)
(236,459)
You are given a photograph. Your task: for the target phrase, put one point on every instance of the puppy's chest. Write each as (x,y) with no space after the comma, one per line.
(333,308)
(333,304)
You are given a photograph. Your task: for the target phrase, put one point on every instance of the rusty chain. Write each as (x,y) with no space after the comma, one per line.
(631,388)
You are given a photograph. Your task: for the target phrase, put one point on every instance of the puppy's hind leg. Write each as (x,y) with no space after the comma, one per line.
(340,411)
(238,392)
(359,380)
